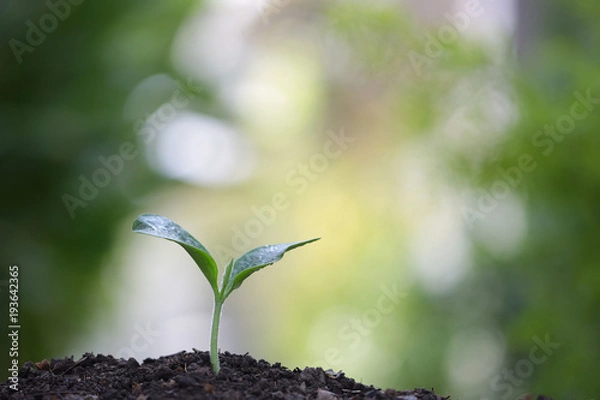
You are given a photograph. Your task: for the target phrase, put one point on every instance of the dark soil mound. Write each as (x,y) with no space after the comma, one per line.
(189,376)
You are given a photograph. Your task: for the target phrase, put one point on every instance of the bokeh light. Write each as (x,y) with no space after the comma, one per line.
(445,151)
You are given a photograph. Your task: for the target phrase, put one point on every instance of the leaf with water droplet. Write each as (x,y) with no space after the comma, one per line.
(236,271)
(163,227)
(254,260)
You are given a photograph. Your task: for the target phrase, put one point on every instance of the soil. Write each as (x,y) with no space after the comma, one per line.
(188,375)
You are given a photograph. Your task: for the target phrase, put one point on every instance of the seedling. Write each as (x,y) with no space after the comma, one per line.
(236,271)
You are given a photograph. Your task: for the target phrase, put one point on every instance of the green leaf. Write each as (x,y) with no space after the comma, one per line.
(226,279)
(253,261)
(162,227)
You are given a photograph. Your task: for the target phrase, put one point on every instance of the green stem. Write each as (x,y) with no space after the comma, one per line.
(214,335)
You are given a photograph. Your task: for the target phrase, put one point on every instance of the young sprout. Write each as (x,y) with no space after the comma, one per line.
(236,271)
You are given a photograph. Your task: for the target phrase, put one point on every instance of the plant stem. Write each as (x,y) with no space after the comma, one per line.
(214,335)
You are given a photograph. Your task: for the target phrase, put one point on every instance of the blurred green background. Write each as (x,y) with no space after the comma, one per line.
(445,151)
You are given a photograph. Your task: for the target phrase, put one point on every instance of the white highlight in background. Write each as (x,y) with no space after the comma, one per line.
(201,150)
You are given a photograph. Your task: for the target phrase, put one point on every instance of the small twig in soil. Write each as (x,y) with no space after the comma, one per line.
(73,366)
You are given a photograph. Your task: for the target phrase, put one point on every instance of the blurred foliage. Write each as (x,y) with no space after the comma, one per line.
(551,286)
(547,288)
(435,138)
(60,109)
